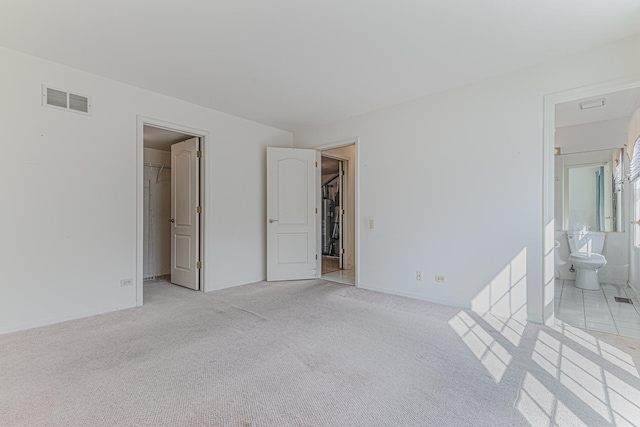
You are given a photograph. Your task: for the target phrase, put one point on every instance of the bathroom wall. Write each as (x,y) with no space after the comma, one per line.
(581,158)
(633,132)
(581,193)
(586,138)
(157,212)
(558,192)
(615,251)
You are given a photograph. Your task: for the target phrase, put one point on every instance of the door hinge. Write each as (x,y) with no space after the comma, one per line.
(342,172)
(316,256)
(198,154)
(198,209)
(316,210)
(341,211)
(198,264)
(316,164)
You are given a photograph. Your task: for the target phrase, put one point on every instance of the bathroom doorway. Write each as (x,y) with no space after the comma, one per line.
(596,285)
(337,214)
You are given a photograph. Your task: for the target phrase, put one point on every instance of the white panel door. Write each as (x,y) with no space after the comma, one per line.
(291,214)
(184,216)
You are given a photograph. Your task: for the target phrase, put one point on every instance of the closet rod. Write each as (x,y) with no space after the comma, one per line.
(155,165)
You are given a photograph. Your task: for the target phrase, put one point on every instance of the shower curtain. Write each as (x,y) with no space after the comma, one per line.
(600,199)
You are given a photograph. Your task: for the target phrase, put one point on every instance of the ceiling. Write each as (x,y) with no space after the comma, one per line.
(162,139)
(292,64)
(616,105)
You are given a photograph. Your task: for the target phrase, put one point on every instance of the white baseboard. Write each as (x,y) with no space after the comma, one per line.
(613,280)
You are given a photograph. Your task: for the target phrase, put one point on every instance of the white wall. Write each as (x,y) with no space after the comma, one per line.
(460,174)
(157,212)
(69,193)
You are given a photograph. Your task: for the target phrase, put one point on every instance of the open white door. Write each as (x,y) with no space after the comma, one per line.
(184,213)
(291,214)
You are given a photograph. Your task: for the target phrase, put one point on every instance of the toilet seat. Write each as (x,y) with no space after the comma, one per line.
(585,256)
(587,260)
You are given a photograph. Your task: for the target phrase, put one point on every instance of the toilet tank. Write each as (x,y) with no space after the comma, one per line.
(586,241)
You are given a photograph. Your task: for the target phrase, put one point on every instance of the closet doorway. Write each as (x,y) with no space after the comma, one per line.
(171,207)
(337,214)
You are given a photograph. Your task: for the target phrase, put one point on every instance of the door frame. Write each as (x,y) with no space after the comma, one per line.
(548,173)
(204,136)
(356,164)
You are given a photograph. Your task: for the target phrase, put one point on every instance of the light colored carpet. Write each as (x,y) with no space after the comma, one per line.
(312,353)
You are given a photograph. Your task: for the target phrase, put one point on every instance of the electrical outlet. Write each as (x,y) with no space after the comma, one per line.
(126,282)
(372,224)
(419,275)
(439,279)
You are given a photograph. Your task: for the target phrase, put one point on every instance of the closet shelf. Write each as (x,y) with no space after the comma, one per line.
(156,165)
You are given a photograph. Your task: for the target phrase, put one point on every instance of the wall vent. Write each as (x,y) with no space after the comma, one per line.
(65,100)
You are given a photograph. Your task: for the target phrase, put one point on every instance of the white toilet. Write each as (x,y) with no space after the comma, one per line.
(586,258)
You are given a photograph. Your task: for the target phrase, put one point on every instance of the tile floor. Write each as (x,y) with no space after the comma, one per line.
(598,310)
(347,277)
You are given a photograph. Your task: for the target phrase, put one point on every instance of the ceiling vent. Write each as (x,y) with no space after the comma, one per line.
(65,100)
(592,104)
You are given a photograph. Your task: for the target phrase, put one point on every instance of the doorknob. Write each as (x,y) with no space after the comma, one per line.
(271,220)
(635,222)
(172,220)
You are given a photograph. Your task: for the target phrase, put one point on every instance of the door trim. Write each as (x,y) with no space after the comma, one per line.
(547,294)
(356,163)
(204,136)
